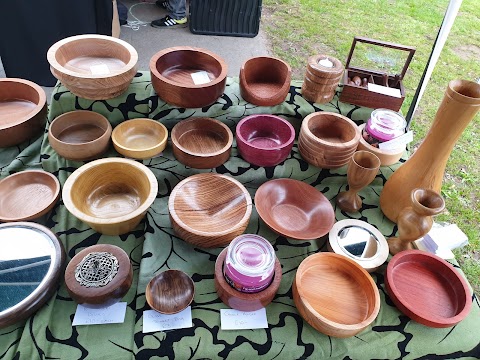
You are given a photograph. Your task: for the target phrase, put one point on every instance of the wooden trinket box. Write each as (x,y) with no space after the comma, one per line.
(374,88)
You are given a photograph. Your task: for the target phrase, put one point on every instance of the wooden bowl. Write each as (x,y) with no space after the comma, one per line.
(111,195)
(80,135)
(387,157)
(140,138)
(170,292)
(23,105)
(201,143)
(27,195)
(94,67)
(209,210)
(265,81)
(335,295)
(315,67)
(294,209)
(264,140)
(427,289)
(188,77)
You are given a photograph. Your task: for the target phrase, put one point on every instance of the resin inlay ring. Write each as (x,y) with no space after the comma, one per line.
(97,269)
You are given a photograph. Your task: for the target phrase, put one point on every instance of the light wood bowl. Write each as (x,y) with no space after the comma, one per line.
(201,143)
(171,73)
(387,157)
(111,195)
(28,195)
(80,135)
(140,138)
(23,109)
(265,81)
(209,210)
(335,295)
(94,67)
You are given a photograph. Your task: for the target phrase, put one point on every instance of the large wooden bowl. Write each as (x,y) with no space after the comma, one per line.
(294,209)
(201,143)
(387,157)
(209,210)
(94,67)
(23,109)
(111,195)
(80,135)
(335,295)
(427,289)
(188,77)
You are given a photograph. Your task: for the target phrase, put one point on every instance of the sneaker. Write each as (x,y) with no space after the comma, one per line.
(168,21)
(162,4)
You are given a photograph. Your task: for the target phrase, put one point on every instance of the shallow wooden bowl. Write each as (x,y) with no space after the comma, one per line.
(264,140)
(335,295)
(94,67)
(427,289)
(170,292)
(80,135)
(209,210)
(265,81)
(387,157)
(140,138)
(201,143)
(294,209)
(111,195)
(174,69)
(23,109)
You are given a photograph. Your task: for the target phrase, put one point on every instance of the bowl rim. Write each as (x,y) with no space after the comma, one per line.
(51,52)
(72,208)
(271,58)
(176,218)
(154,123)
(376,150)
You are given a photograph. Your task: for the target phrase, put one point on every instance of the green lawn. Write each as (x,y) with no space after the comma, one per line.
(297,29)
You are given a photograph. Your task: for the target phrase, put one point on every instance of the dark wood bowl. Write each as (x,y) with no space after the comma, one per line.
(23,109)
(171,73)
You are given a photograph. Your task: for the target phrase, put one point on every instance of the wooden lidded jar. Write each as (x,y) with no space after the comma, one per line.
(322,77)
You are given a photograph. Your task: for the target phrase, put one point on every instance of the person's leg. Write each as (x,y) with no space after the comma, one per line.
(177,16)
(177,9)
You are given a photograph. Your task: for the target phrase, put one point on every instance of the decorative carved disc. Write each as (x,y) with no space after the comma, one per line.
(97,269)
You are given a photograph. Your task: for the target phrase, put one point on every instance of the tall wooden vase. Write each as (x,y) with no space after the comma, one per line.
(426,167)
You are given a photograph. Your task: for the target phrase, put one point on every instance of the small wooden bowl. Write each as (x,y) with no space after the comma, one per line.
(427,289)
(170,292)
(23,105)
(335,295)
(28,195)
(201,143)
(264,140)
(94,67)
(140,138)
(209,210)
(265,81)
(294,209)
(80,135)
(111,195)
(173,71)
(387,157)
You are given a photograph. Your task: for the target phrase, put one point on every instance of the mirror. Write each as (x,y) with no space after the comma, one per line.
(358,242)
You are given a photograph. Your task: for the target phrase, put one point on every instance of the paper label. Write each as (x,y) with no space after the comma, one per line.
(154,321)
(384,90)
(238,320)
(113,314)
(101,69)
(398,142)
(200,77)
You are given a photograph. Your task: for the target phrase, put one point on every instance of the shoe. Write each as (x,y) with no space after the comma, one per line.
(168,21)
(162,4)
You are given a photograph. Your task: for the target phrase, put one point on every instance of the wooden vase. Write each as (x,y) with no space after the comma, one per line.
(426,167)
(416,220)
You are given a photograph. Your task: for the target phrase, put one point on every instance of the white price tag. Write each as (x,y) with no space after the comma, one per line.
(113,314)
(200,77)
(101,69)
(238,320)
(397,143)
(154,321)
(384,90)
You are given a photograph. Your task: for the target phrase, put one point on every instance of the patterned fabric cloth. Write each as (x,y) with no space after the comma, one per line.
(153,247)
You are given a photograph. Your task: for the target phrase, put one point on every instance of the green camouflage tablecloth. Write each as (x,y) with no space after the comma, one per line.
(153,248)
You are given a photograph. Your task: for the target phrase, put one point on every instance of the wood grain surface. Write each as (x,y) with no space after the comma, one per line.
(170,292)
(387,157)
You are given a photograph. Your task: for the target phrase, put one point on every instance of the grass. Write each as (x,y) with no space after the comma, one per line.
(297,29)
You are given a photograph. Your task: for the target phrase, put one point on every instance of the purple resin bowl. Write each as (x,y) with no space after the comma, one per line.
(264,140)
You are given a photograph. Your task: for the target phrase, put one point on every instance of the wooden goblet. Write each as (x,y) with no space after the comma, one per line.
(362,169)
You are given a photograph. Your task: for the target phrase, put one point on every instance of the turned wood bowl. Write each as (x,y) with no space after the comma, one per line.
(95,67)
(427,289)
(209,210)
(111,195)
(23,109)
(265,81)
(140,138)
(335,295)
(318,66)
(28,195)
(188,77)
(264,140)
(170,292)
(80,135)
(201,143)
(387,157)
(294,209)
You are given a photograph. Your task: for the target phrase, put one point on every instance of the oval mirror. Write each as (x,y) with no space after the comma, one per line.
(358,242)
